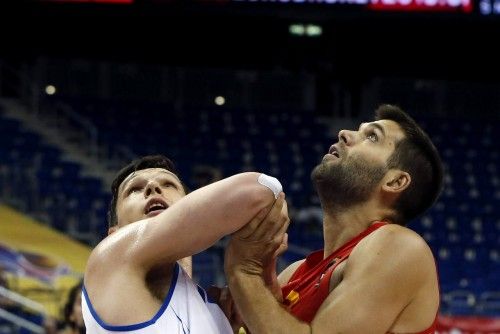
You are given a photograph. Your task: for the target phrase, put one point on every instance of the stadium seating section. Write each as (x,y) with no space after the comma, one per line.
(463,228)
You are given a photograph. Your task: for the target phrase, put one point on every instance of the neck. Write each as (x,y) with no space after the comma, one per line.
(342,224)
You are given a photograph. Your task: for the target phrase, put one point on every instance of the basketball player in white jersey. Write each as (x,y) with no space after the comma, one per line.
(133,282)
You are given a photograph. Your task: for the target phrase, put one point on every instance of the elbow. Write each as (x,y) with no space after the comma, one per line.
(259,193)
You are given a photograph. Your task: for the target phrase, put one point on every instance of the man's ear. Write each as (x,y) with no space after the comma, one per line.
(112,229)
(396,181)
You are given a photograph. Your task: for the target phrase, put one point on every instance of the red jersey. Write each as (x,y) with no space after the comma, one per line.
(310,283)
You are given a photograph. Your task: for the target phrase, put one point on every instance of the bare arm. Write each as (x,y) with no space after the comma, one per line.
(277,218)
(382,278)
(189,226)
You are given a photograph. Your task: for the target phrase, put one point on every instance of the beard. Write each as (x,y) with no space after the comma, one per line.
(347,182)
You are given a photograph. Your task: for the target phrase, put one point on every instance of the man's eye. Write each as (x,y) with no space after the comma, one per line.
(134,189)
(169,184)
(372,136)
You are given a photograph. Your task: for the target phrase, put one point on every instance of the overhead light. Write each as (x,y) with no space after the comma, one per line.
(313,30)
(310,30)
(297,29)
(220,100)
(50,90)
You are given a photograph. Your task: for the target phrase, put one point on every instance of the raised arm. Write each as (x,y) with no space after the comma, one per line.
(385,275)
(190,225)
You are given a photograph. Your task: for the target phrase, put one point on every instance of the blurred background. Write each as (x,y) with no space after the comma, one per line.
(226,86)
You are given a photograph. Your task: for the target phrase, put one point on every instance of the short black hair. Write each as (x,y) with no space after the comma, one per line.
(149,161)
(416,155)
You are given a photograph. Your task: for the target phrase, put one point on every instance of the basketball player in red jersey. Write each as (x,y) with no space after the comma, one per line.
(374,275)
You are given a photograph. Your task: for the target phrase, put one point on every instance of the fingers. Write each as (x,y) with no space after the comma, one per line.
(276,230)
(282,247)
(271,223)
(261,240)
(249,229)
(281,226)
(263,223)
(274,221)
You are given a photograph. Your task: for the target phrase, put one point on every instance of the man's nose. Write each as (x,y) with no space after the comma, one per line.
(152,188)
(347,137)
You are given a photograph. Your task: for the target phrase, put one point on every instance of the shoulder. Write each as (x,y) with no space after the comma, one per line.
(101,257)
(112,257)
(395,239)
(288,272)
(117,247)
(396,249)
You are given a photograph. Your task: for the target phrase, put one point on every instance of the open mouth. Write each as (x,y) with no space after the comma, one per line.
(155,206)
(333,151)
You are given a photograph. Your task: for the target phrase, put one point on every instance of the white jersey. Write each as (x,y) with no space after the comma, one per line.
(185,310)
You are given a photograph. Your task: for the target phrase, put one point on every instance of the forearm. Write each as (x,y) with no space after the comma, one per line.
(225,206)
(271,280)
(201,218)
(260,310)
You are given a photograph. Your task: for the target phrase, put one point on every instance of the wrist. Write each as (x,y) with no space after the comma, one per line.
(248,267)
(239,274)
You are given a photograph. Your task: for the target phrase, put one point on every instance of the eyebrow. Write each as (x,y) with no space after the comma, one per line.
(128,180)
(376,125)
(134,175)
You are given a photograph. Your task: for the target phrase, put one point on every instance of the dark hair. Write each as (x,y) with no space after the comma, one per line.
(68,307)
(416,155)
(150,161)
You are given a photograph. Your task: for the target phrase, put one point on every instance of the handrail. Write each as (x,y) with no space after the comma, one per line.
(17,320)
(21,300)
(86,123)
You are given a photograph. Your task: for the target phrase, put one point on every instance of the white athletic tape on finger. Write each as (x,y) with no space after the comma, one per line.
(272,183)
